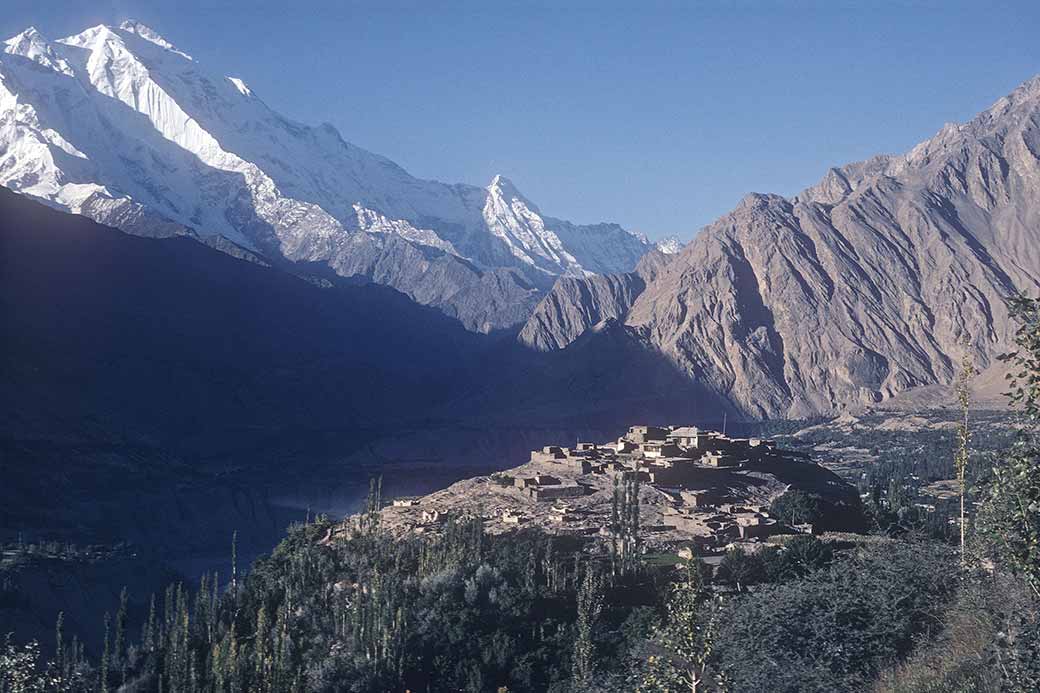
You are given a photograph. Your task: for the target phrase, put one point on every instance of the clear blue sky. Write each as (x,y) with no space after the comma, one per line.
(660,116)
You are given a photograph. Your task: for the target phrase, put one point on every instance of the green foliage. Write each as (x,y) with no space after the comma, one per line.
(796,507)
(681,647)
(1018,653)
(624,524)
(799,556)
(590,606)
(1024,390)
(740,569)
(370,612)
(1009,523)
(832,629)
(23,670)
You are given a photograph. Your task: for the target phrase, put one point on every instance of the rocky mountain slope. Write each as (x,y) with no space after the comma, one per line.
(117,124)
(575,304)
(871,283)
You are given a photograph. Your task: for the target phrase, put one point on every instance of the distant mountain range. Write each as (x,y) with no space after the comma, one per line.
(871,283)
(117,124)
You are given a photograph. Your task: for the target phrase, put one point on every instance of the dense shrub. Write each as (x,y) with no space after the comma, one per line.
(832,629)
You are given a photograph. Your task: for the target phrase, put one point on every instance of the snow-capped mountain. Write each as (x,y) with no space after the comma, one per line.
(670,245)
(117,124)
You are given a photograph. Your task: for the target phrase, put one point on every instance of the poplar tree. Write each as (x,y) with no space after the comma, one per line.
(59,642)
(118,656)
(105,658)
(962,455)
(590,605)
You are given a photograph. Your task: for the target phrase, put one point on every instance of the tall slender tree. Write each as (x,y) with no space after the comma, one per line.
(590,605)
(963,454)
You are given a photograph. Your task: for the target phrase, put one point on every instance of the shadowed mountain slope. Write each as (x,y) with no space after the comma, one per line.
(183,345)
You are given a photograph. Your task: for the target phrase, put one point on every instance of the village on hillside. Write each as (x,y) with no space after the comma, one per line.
(696,489)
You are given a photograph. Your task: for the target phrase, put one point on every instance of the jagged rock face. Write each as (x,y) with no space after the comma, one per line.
(866,285)
(576,304)
(117,124)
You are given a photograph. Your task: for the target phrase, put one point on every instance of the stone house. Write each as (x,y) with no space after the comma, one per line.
(434,516)
(511,518)
(555,492)
(537,480)
(715,458)
(645,434)
(684,436)
(549,453)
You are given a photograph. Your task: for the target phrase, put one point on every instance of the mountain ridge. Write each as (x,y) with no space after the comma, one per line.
(119,125)
(861,287)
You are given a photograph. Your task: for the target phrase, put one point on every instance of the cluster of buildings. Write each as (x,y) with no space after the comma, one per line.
(687,471)
(660,455)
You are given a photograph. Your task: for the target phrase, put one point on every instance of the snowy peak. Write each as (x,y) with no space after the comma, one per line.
(554,246)
(242,87)
(670,245)
(148,34)
(504,189)
(133,132)
(93,37)
(26,43)
(32,45)
(522,229)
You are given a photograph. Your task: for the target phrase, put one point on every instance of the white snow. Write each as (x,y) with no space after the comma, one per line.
(241,86)
(120,115)
(670,245)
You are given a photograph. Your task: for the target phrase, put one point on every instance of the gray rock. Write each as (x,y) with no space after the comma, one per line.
(576,304)
(869,284)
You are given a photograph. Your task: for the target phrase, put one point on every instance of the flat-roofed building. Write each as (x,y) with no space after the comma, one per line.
(684,436)
(555,492)
(645,434)
(716,458)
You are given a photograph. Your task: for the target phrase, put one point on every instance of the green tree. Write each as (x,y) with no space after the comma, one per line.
(119,652)
(1009,521)
(739,569)
(795,507)
(683,644)
(1010,517)
(963,453)
(799,556)
(106,658)
(590,605)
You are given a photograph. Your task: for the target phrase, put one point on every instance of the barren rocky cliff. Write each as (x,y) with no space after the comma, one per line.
(574,305)
(869,284)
